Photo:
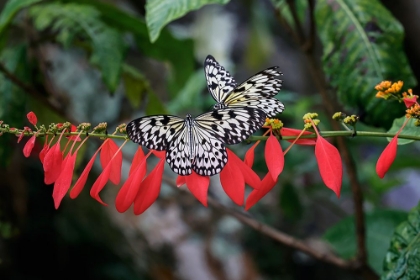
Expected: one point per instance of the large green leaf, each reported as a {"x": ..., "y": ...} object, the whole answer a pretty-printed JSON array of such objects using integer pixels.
[
  {"x": 10, "y": 10},
  {"x": 161, "y": 12},
  {"x": 379, "y": 227},
  {"x": 75, "y": 20},
  {"x": 409, "y": 129},
  {"x": 179, "y": 53},
  {"x": 402, "y": 261},
  {"x": 362, "y": 45}
]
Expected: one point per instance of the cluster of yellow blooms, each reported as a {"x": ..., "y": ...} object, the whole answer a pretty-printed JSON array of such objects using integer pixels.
[
  {"x": 274, "y": 123},
  {"x": 386, "y": 89}
]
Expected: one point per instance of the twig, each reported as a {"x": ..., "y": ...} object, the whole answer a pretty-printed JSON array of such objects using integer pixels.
[{"x": 277, "y": 235}]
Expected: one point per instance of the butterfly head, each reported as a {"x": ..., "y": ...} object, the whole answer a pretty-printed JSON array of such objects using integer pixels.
[{"x": 219, "y": 106}]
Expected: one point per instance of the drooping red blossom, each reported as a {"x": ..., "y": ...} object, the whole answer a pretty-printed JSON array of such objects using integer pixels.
[
  {"x": 232, "y": 180},
  {"x": 45, "y": 149},
  {"x": 274, "y": 156},
  {"x": 77, "y": 138},
  {"x": 63, "y": 182},
  {"x": 296, "y": 132},
  {"x": 329, "y": 164},
  {"x": 251, "y": 178},
  {"x": 32, "y": 118},
  {"x": 22, "y": 134},
  {"x": 267, "y": 184},
  {"x": 149, "y": 189},
  {"x": 100, "y": 184},
  {"x": 80, "y": 183},
  {"x": 198, "y": 186},
  {"x": 387, "y": 157},
  {"x": 128, "y": 192},
  {"x": 27, "y": 149},
  {"x": 410, "y": 101},
  {"x": 52, "y": 163},
  {"x": 249, "y": 155},
  {"x": 111, "y": 153},
  {"x": 180, "y": 180}
]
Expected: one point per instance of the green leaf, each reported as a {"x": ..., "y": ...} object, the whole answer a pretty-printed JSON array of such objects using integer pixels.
[
  {"x": 180, "y": 53},
  {"x": 363, "y": 45},
  {"x": 80, "y": 21},
  {"x": 379, "y": 227},
  {"x": 402, "y": 261},
  {"x": 161, "y": 12},
  {"x": 409, "y": 129},
  {"x": 10, "y": 10}
]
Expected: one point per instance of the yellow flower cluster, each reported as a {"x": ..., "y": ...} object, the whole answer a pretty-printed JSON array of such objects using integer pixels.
[
  {"x": 387, "y": 89},
  {"x": 274, "y": 123},
  {"x": 413, "y": 111},
  {"x": 351, "y": 120},
  {"x": 307, "y": 120}
]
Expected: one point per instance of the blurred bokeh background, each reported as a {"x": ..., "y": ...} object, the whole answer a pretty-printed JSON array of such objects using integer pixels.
[{"x": 93, "y": 61}]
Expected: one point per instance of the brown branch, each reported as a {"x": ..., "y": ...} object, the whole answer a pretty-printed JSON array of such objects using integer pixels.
[
  {"x": 277, "y": 235},
  {"x": 310, "y": 41}
]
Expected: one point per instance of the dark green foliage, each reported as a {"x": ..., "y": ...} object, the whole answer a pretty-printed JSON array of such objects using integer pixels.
[
  {"x": 402, "y": 261},
  {"x": 362, "y": 45}
]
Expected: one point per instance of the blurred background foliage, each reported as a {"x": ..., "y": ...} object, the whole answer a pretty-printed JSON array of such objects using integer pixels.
[{"x": 115, "y": 60}]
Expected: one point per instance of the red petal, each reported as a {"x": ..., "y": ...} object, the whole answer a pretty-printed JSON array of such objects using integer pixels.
[
  {"x": 249, "y": 156},
  {"x": 159, "y": 154},
  {"x": 100, "y": 184},
  {"x": 329, "y": 163},
  {"x": 180, "y": 180},
  {"x": 27, "y": 149},
  {"x": 73, "y": 128},
  {"x": 128, "y": 192},
  {"x": 296, "y": 132},
  {"x": 274, "y": 156},
  {"x": 80, "y": 183},
  {"x": 251, "y": 178},
  {"x": 137, "y": 159},
  {"x": 62, "y": 185},
  {"x": 198, "y": 186},
  {"x": 266, "y": 185},
  {"x": 109, "y": 149},
  {"x": 232, "y": 181},
  {"x": 387, "y": 157},
  {"x": 149, "y": 189},
  {"x": 52, "y": 164},
  {"x": 44, "y": 150},
  {"x": 32, "y": 118},
  {"x": 410, "y": 101}
]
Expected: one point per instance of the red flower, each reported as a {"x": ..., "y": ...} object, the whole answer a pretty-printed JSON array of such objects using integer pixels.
[
  {"x": 128, "y": 192},
  {"x": 32, "y": 118},
  {"x": 267, "y": 184},
  {"x": 25, "y": 128},
  {"x": 388, "y": 155},
  {"x": 110, "y": 153},
  {"x": 410, "y": 101},
  {"x": 52, "y": 163},
  {"x": 274, "y": 156},
  {"x": 297, "y": 132},
  {"x": 27, "y": 149},
  {"x": 149, "y": 189},
  {"x": 198, "y": 186}
]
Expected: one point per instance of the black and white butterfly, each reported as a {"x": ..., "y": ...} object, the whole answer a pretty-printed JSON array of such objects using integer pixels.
[
  {"x": 256, "y": 92},
  {"x": 196, "y": 143}
]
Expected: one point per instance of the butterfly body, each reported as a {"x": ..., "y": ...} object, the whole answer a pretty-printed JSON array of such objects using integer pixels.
[
  {"x": 256, "y": 92},
  {"x": 196, "y": 143}
]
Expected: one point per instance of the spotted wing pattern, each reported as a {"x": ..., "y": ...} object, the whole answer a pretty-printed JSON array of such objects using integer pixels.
[
  {"x": 155, "y": 132},
  {"x": 219, "y": 82},
  {"x": 196, "y": 144},
  {"x": 257, "y": 92}
]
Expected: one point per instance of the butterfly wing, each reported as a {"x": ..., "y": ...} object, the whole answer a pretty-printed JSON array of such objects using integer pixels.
[
  {"x": 231, "y": 125},
  {"x": 155, "y": 132},
  {"x": 219, "y": 81},
  {"x": 258, "y": 92},
  {"x": 178, "y": 154},
  {"x": 210, "y": 155}
]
